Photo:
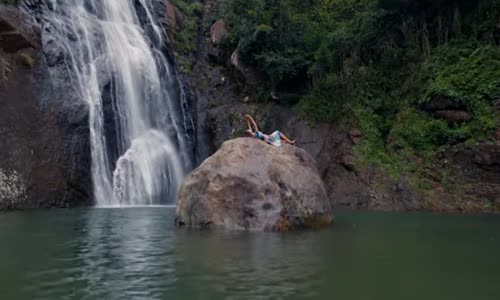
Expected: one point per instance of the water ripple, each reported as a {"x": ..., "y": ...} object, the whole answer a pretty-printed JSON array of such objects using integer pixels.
[
  {"x": 138, "y": 254},
  {"x": 114, "y": 253}
]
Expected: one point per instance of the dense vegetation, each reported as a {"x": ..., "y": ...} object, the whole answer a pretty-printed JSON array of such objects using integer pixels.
[
  {"x": 375, "y": 63},
  {"x": 184, "y": 40},
  {"x": 8, "y": 1}
]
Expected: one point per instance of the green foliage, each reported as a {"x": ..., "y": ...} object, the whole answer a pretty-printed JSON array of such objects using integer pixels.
[
  {"x": 279, "y": 66},
  {"x": 262, "y": 92},
  {"x": 466, "y": 71},
  {"x": 9, "y": 2},
  {"x": 325, "y": 100},
  {"x": 185, "y": 65},
  {"x": 184, "y": 40},
  {"x": 186, "y": 33},
  {"x": 470, "y": 73},
  {"x": 212, "y": 104},
  {"x": 374, "y": 62},
  {"x": 184, "y": 36},
  {"x": 372, "y": 148},
  {"x": 282, "y": 38},
  {"x": 421, "y": 132},
  {"x": 188, "y": 7},
  {"x": 26, "y": 60}
]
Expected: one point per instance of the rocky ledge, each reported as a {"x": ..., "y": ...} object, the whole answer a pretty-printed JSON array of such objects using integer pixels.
[{"x": 250, "y": 185}]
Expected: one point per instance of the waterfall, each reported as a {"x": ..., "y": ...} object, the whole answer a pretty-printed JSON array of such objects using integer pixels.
[{"x": 114, "y": 51}]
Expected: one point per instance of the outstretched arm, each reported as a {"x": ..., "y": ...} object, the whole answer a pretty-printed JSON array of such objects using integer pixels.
[{"x": 249, "y": 119}]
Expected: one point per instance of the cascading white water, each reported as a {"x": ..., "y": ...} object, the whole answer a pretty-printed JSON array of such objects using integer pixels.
[{"x": 113, "y": 45}]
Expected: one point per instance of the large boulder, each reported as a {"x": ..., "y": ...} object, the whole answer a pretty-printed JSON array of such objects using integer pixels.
[{"x": 251, "y": 185}]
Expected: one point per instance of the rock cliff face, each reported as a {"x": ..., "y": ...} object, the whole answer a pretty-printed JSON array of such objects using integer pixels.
[
  {"x": 248, "y": 184},
  {"x": 45, "y": 154},
  {"x": 45, "y": 158},
  {"x": 463, "y": 178},
  {"x": 45, "y": 151}
]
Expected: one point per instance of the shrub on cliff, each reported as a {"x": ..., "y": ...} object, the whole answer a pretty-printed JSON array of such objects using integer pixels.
[
  {"x": 8, "y": 2},
  {"x": 392, "y": 38},
  {"x": 374, "y": 63}
]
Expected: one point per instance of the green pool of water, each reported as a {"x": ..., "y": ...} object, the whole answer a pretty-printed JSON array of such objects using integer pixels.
[{"x": 138, "y": 254}]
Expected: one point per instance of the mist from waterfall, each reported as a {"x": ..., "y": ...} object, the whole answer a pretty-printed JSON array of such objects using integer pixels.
[{"x": 137, "y": 118}]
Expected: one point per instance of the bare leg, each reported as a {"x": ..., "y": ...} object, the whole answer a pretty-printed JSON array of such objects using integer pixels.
[
  {"x": 248, "y": 124},
  {"x": 248, "y": 118},
  {"x": 286, "y": 139}
]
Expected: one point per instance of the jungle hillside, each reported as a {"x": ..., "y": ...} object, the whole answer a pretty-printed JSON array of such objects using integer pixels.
[{"x": 416, "y": 78}]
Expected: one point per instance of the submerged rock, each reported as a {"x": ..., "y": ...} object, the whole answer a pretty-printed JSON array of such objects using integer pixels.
[{"x": 251, "y": 185}]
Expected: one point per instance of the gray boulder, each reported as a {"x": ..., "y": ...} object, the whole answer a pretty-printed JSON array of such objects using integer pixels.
[{"x": 251, "y": 185}]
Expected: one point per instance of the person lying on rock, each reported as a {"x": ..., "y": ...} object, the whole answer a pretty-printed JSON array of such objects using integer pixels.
[{"x": 274, "y": 138}]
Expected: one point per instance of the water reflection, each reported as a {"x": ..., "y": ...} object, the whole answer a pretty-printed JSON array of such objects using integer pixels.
[
  {"x": 110, "y": 254},
  {"x": 138, "y": 254},
  {"x": 239, "y": 265},
  {"x": 126, "y": 254}
]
